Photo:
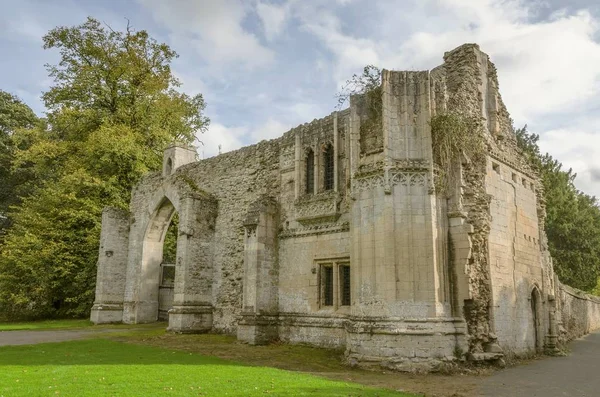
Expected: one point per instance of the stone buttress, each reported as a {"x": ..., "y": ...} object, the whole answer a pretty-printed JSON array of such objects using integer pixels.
[{"x": 401, "y": 312}]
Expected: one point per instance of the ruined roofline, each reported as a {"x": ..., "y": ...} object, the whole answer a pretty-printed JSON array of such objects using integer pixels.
[{"x": 436, "y": 72}]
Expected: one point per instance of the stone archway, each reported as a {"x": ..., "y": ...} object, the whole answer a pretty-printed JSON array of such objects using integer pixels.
[{"x": 192, "y": 290}]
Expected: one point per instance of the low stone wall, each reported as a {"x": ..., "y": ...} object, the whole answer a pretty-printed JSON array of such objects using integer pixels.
[{"x": 579, "y": 313}]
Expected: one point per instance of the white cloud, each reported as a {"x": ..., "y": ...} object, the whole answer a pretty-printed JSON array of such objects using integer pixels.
[
  {"x": 350, "y": 53},
  {"x": 273, "y": 18},
  {"x": 228, "y": 138},
  {"x": 213, "y": 28},
  {"x": 552, "y": 66},
  {"x": 576, "y": 149},
  {"x": 234, "y": 137}
]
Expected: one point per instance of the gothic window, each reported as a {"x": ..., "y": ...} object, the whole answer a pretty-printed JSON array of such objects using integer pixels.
[
  {"x": 169, "y": 166},
  {"x": 328, "y": 162},
  {"x": 334, "y": 284},
  {"x": 310, "y": 172}
]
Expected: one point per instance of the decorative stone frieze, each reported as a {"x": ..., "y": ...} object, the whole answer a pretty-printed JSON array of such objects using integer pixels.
[{"x": 318, "y": 208}]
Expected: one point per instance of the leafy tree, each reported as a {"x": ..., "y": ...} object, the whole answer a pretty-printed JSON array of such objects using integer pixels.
[
  {"x": 572, "y": 218},
  {"x": 112, "y": 109},
  {"x": 14, "y": 114}
]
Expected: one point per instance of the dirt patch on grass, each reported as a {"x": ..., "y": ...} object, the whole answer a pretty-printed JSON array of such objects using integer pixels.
[{"x": 321, "y": 362}]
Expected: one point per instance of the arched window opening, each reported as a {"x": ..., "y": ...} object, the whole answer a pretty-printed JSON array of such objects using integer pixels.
[
  {"x": 310, "y": 172},
  {"x": 169, "y": 166},
  {"x": 328, "y": 162}
]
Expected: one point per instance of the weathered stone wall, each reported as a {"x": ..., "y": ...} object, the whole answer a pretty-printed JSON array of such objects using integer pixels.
[
  {"x": 112, "y": 267},
  {"x": 515, "y": 257},
  {"x": 315, "y": 231},
  {"x": 578, "y": 312},
  {"x": 235, "y": 179}
]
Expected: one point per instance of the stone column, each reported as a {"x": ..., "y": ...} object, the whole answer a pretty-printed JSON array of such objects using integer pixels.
[
  {"x": 336, "y": 152},
  {"x": 112, "y": 267},
  {"x": 192, "y": 303},
  {"x": 258, "y": 324}
]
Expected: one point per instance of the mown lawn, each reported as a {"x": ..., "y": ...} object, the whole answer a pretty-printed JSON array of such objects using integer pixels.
[
  {"x": 101, "y": 367},
  {"x": 46, "y": 324}
]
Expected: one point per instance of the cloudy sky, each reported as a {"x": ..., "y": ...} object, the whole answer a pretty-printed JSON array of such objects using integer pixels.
[{"x": 265, "y": 66}]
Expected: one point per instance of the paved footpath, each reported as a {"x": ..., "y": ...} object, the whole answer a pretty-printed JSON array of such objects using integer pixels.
[
  {"x": 576, "y": 375},
  {"x": 10, "y": 338}
]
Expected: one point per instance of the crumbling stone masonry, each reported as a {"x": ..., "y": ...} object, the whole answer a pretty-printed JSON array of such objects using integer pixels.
[{"x": 335, "y": 235}]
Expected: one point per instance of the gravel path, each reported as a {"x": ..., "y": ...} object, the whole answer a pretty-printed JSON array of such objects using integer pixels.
[{"x": 576, "y": 375}]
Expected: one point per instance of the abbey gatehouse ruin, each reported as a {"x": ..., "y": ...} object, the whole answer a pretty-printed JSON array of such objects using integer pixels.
[{"x": 347, "y": 232}]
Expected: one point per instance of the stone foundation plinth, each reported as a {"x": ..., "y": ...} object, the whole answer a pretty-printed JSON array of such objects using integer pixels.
[
  {"x": 257, "y": 329},
  {"x": 404, "y": 345},
  {"x": 140, "y": 312},
  {"x": 190, "y": 319},
  {"x": 318, "y": 330},
  {"x": 106, "y": 313}
]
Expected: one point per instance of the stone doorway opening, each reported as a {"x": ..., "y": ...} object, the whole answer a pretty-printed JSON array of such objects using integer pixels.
[
  {"x": 536, "y": 313},
  {"x": 166, "y": 286}
]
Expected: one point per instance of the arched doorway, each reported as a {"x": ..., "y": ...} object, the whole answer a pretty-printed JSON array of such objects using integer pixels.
[
  {"x": 157, "y": 275},
  {"x": 190, "y": 276},
  {"x": 536, "y": 313}
]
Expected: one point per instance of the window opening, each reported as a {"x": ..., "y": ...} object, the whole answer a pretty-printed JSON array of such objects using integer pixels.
[
  {"x": 327, "y": 285},
  {"x": 329, "y": 168},
  {"x": 344, "y": 285},
  {"x": 310, "y": 172},
  {"x": 167, "y": 278}
]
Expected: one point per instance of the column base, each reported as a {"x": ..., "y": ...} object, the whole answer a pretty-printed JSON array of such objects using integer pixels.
[
  {"x": 257, "y": 329},
  {"x": 140, "y": 312},
  {"x": 551, "y": 346},
  {"x": 106, "y": 313},
  {"x": 190, "y": 319}
]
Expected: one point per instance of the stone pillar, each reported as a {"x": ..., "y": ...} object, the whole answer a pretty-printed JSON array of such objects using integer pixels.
[
  {"x": 336, "y": 152},
  {"x": 192, "y": 302},
  {"x": 354, "y": 134},
  {"x": 298, "y": 164},
  {"x": 112, "y": 267},
  {"x": 258, "y": 324}
]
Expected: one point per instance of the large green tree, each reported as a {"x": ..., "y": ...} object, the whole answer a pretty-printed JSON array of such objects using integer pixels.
[
  {"x": 112, "y": 109},
  {"x": 14, "y": 115},
  {"x": 572, "y": 218}
]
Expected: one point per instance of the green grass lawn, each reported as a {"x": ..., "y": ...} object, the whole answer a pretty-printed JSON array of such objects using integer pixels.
[
  {"x": 101, "y": 367},
  {"x": 45, "y": 324}
]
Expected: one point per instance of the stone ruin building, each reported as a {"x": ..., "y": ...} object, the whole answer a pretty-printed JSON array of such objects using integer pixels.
[{"x": 335, "y": 235}]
